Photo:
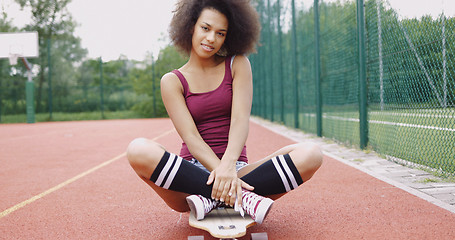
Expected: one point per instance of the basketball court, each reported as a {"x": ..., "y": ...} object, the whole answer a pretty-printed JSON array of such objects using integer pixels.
[{"x": 71, "y": 180}]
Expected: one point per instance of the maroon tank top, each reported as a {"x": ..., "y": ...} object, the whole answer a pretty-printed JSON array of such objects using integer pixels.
[{"x": 211, "y": 111}]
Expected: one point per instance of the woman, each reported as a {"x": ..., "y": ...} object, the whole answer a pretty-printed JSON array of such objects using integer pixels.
[{"x": 209, "y": 102}]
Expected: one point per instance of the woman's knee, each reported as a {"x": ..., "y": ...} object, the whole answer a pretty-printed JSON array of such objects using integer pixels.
[
  {"x": 315, "y": 156},
  {"x": 307, "y": 156},
  {"x": 142, "y": 152}
]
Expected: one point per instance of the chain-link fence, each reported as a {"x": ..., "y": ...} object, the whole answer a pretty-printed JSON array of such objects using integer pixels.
[{"x": 363, "y": 73}]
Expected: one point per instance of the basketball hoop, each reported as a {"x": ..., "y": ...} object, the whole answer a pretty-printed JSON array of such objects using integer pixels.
[
  {"x": 22, "y": 45},
  {"x": 13, "y": 59}
]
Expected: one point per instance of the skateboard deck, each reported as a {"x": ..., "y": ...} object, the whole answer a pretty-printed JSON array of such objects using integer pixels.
[{"x": 223, "y": 223}]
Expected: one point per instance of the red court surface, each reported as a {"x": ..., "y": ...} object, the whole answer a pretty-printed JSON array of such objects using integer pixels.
[{"x": 71, "y": 180}]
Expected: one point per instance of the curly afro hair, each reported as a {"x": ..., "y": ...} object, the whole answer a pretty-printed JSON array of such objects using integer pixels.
[{"x": 244, "y": 25}]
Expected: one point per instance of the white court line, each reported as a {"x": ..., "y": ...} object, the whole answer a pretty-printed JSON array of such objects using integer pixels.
[
  {"x": 412, "y": 125},
  {"x": 71, "y": 180},
  {"x": 412, "y": 115},
  {"x": 391, "y": 123}
]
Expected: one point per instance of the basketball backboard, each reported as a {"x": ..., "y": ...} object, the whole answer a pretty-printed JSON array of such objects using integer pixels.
[{"x": 18, "y": 44}]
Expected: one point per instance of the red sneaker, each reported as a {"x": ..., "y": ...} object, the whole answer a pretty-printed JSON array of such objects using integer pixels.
[
  {"x": 256, "y": 206},
  {"x": 201, "y": 206}
]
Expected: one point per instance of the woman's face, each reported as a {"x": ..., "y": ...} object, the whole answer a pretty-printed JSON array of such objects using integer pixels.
[{"x": 209, "y": 33}]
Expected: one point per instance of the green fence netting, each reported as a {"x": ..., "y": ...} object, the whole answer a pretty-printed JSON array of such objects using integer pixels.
[{"x": 322, "y": 69}]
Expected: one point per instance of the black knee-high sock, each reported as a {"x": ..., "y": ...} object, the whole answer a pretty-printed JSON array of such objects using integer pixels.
[
  {"x": 175, "y": 173},
  {"x": 275, "y": 176}
]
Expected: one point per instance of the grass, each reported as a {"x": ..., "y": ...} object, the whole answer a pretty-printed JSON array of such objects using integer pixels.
[
  {"x": 422, "y": 136},
  {"x": 428, "y": 180},
  {"x": 58, "y": 116},
  {"x": 440, "y": 179}
]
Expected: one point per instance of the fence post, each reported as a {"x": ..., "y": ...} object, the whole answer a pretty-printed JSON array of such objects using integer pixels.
[
  {"x": 29, "y": 99},
  {"x": 363, "y": 112},
  {"x": 153, "y": 86},
  {"x": 294, "y": 67},
  {"x": 317, "y": 65},
  {"x": 444, "y": 60},
  {"x": 49, "y": 72},
  {"x": 101, "y": 88},
  {"x": 381, "y": 63},
  {"x": 262, "y": 61},
  {"x": 280, "y": 67},
  {"x": 270, "y": 62}
]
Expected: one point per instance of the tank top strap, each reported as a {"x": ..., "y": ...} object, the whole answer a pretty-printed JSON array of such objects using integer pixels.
[
  {"x": 182, "y": 80},
  {"x": 228, "y": 66}
]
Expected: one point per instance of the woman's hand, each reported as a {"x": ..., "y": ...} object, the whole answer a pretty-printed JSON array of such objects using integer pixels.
[{"x": 226, "y": 184}]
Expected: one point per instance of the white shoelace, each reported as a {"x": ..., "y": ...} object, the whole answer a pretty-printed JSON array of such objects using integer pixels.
[
  {"x": 208, "y": 204},
  {"x": 250, "y": 201}
]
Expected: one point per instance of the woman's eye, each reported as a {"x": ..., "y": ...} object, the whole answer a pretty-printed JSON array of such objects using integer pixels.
[
  {"x": 221, "y": 34},
  {"x": 205, "y": 28}
]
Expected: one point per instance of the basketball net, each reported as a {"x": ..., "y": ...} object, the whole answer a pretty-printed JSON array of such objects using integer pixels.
[{"x": 13, "y": 59}]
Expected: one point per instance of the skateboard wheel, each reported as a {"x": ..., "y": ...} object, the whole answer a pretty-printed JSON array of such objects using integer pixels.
[
  {"x": 196, "y": 238},
  {"x": 259, "y": 236}
]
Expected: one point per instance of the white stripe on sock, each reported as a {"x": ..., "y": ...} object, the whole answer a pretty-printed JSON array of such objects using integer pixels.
[
  {"x": 288, "y": 172},
  {"x": 173, "y": 172},
  {"x": 163, "y": 172},
  {"x": 280, "y": 172}
]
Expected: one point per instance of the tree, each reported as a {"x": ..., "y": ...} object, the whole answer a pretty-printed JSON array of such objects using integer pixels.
[
  {"x": 55, "y": 25},
  {"x": 147, "y": 81}
]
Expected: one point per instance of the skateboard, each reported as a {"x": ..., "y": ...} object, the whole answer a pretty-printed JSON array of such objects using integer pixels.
[{"x": 225, "y": 223}]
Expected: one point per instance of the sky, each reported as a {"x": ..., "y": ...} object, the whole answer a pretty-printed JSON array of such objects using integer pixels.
[{"x": 110, "y": 28}]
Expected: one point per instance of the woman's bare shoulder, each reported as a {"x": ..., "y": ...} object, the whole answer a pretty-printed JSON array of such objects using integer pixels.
[
  {"x": 241, "y": 64},
  {"x": 170, "y": 81}
]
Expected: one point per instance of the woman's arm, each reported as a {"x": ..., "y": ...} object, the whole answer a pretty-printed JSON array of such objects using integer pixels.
[
  {"x": 174, "y": 101},
  {"x": 242, "y": 88},
  {"x": 225, "y": 176}
]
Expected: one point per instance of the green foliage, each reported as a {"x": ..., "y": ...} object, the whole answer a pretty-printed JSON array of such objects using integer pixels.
[
  {"x": 115, "y": 73},
  {"x": 6, "y": 24},
  {"x": 145, "y": 108},
  {"x": 147, "y": 81}
]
